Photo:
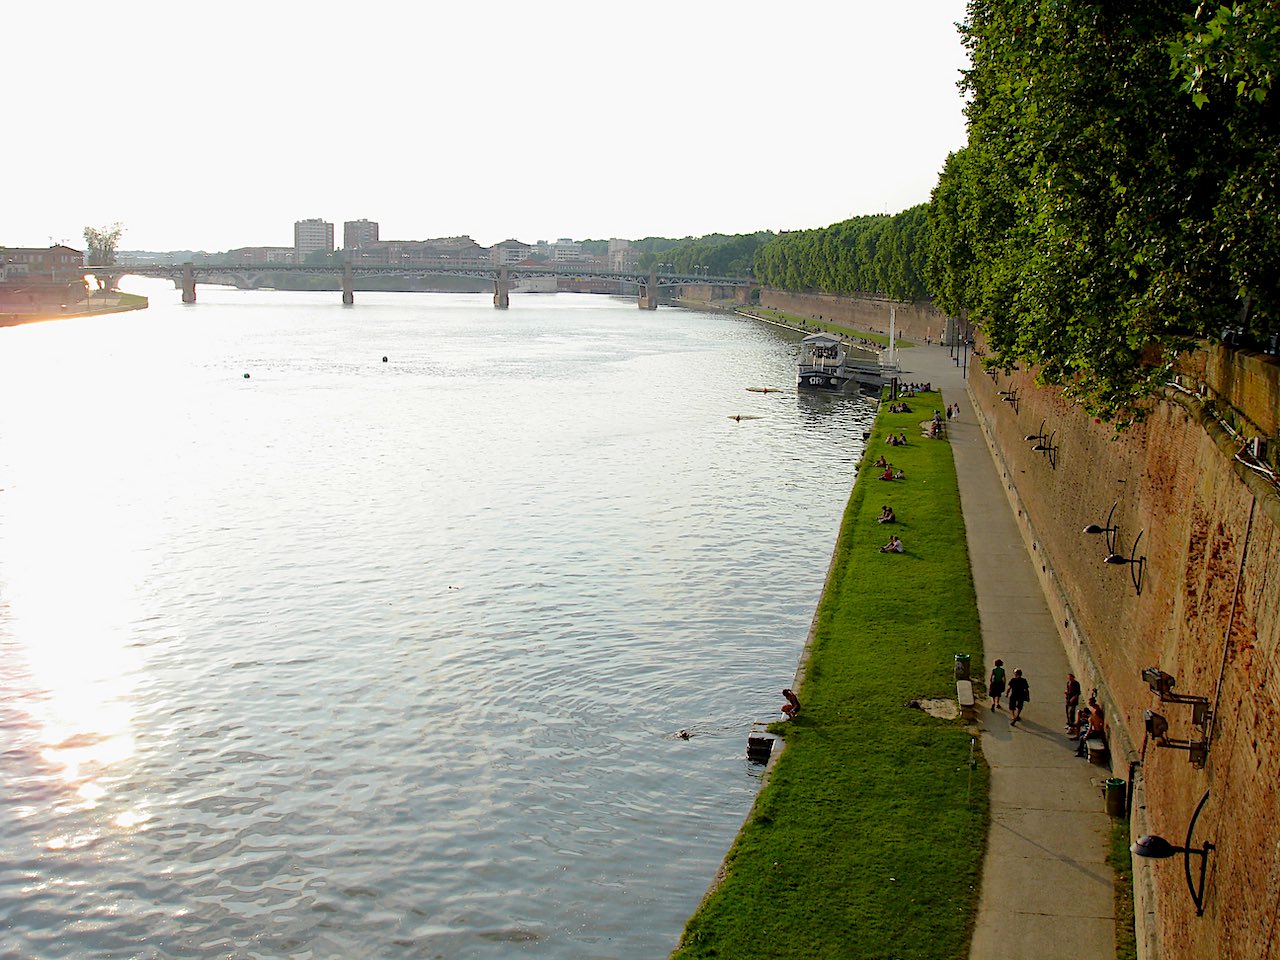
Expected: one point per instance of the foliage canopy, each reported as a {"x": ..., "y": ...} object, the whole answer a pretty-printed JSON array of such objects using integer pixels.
[
  {"x": 102, "y": 244},
  {"x": 1117, "y": 199},
  {"x": 878, "y": 255}
]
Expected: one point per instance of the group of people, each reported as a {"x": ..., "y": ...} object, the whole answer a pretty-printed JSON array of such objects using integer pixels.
[
  {"x": 887, "y": 515},
  {"x": 911, "y": 389},
  {"x": 1083, "y": 723},
  {"x": 899, "y": 408},
  {"x": 893, "y": 546},
  {"x": 1017, "y": 687},
  {"x": 899, "y": 441}
]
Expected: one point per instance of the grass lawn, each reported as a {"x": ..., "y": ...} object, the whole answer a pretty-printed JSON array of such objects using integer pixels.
[
  {"x": 1121, "y": 862},
  {"x": 868, "y": 838}
]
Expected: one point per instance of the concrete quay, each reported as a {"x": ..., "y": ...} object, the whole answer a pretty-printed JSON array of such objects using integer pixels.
[{"x": 1047, "y": 891}]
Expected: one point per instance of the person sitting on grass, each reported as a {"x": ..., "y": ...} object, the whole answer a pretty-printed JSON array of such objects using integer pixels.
[
  {"x": 899, "y": 475},
  {"x": 882, "y": 462},
  {"x": 893, "y": 546},
  {"x": 888, "y": 472},
  {"x": 887, "y": 515}
]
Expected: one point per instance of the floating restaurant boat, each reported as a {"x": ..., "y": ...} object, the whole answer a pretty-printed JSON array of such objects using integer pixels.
[{"x": 826, "y": 364}]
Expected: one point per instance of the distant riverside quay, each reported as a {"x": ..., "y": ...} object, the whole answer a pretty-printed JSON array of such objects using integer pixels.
[{"x": 649, "y": 284}]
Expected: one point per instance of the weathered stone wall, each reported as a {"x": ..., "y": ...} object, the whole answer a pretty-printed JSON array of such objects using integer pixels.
[
  {"x": 916, "y": 321},
  {"x": 1208, "y": 613}
]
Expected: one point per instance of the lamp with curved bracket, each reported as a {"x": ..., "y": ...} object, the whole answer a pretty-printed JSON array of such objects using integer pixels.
[
  {"x": 1158, "y": 848},
  {"x": 1049, "y": 448},
  {"x": 1109, "y": 530},
  {"x": 1010, "y": 396},
  {"x": 1037, "y": 437},
  {"x": 1136, "y": 563}
]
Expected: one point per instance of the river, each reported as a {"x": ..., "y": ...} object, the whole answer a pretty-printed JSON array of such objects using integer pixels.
[{"x": 307, "y": 652}]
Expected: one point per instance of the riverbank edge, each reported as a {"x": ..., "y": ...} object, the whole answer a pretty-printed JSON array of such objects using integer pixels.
[
  {"x": 131, "y": 302},
  {"x": 843, "y": 567}
]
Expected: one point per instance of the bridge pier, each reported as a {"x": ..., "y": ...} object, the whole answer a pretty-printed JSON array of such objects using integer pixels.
[
  {"x": 502, "y": 290},
  {"x": 649, "y": 292},
  {"x": 188, "y": 284},
  {"x": 348, "y": 285}
]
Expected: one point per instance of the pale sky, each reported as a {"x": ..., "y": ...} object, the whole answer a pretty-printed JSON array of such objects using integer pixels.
[{"x": 217, "y": 125}]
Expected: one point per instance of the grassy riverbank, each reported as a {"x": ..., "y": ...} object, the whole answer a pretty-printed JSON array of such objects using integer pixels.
[{"x": 867, "y": 839}]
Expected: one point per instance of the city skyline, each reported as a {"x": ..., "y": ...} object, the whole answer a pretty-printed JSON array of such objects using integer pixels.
[{"x": 512, "y": 124}]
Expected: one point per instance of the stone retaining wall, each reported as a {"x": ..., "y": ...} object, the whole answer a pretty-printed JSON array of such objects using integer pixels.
[
  {"x": 914, "y": 320},
  {"x": 1208, "y": 613}
]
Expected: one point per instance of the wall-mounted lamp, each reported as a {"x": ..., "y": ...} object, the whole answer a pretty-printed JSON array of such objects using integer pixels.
[
  {"x": 1010, "y": 396},
  {"x": 1109, "y": 530},
  {"x": 1158, "y": 733},
  {"x": 1137, "y": 564},
  {"x": 991, "y": 372},
  {"x": 1036, "y": 437},
  {"x": 1162, "y": 685},
  {"x": 1157, "y": 725},
  {"x": 1158, "y": 848},
  {"x": 1049, "y": 449}
]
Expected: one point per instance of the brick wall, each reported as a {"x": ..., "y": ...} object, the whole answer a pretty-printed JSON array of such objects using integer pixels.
[
  {"x": 915, "y": 321},
  {"x": 1209, "y": 614}
]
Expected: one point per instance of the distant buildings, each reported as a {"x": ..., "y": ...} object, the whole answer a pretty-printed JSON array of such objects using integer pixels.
[
  {"x": 311, "y": 236},
  {"x": 509, "y": 251},
  {"x": 18, "y": 262},
  {"x": 39, "y": 280},
  {"x": 363, "y": 246},
  {"x": 562, "y": 251},
  {"x": 257, "y": 256},
  {"x": 623, "y": 256},
  {"x": 451, "y": 251},
  {"x": 359, "y": 234}
]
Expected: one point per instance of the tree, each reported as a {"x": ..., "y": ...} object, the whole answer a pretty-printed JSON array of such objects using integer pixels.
[
  {"x": 1098, "y": 222},
  {"x": 874, "y": 254},
  {"x": 102, "y": 244}
]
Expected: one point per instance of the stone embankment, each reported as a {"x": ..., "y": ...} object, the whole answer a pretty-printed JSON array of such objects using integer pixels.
[
  {"x": 1191, "y": 501},
  {"x": 97, "y": 305}
]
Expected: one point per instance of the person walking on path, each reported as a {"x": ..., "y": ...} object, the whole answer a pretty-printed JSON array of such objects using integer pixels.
[
  {"x": 995, "y": 686},
  {"x": 1072, "y": 697},
  {"x": 1019, "y": 694}
]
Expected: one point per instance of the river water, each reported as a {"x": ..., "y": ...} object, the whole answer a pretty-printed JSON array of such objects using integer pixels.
[{"x": 355, "y": 658}]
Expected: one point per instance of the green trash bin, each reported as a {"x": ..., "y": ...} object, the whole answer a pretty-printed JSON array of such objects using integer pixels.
[
  {"x": 962, "y": 666},
  {"x": 1114, "y": 793}
]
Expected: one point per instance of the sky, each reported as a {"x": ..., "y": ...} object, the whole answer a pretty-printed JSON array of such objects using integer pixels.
[{"x": 212, "y": 126}]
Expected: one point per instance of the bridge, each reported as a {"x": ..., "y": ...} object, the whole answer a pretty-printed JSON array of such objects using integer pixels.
[{"x": 186, "y": 275}]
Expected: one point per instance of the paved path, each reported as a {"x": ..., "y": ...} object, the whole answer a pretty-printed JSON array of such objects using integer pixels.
[{"x": 1046, "y": 887}]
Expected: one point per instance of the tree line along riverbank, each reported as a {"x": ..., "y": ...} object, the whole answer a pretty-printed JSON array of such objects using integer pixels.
[{"x": 867, "y": 839}]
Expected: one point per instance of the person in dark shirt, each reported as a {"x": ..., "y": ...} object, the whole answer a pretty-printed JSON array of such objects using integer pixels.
[
  {"x": 1019, "y": 695},
  {"x": 995, "y": 686},
  {"x": 1072, "y": 698}
]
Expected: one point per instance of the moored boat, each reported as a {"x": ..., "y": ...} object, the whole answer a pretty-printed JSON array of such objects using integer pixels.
[{"x": 826, "y": 364}]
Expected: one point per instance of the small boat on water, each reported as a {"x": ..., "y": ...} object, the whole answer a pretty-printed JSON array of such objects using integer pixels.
[{"x": 826, "y": 364}]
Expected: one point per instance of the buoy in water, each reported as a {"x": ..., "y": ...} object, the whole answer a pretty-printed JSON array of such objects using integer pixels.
[
  {"x": 246, "y": 376},
  {"x": 384, "y": 359}
]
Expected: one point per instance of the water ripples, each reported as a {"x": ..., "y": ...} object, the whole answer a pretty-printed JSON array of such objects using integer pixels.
[{"x": 393, "y": 659}]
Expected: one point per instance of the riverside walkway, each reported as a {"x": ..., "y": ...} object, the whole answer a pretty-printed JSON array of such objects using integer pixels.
[{"x": 1047, "y": 891}]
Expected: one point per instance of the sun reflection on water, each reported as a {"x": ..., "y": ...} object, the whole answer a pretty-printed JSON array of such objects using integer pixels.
[{"x": 71, "y": 539}]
